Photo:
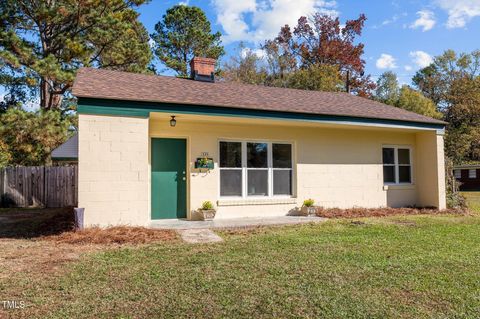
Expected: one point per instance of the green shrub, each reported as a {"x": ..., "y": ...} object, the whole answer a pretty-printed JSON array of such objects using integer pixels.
[
  {"x": 308, "y": 202},
  {"x": 454, "y": 198},
  {"x": 207, "y": 205}
]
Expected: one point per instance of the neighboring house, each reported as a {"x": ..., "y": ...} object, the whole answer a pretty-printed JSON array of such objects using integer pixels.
[
  {"x": 141, "y": 138},
  {"x": 468, "y": 176},
  {"x": 67, "y": 153}
]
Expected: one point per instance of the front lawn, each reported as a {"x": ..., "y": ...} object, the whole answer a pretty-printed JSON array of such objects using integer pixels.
[{"x": 394, "y": 267}]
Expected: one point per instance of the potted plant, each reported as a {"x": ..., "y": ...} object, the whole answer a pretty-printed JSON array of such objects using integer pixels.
[
  {"x": 207, "y": 211},
  {"x": 307, "y": 208},
  {"x": 204, "y": 162}
]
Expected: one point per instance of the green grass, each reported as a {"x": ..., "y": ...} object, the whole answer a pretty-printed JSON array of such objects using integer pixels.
[
  {"x": 398, "y": 267},
  {"x": 473, "y": 200}
]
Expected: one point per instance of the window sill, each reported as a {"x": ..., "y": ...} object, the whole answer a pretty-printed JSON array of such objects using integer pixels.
[
  {"x": 398, "y": 187},
  {"x": 261, "y": 201}
]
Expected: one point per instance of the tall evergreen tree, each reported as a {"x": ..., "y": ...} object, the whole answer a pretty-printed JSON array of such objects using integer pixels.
[
  {"x": 183, "y": 33},
  {"x": 45, "y": 42}
]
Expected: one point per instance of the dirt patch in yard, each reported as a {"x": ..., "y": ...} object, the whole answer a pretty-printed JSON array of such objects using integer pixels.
[
  {"x": 383, "y": 212},
  {"x": 37, "y": 257},
  {"x": 46, "y": 254},
  {"x": 41, "y": 240}
]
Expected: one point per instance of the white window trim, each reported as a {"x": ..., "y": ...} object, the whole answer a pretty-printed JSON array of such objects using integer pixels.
[
  {"x": 245, "y": 169},
  {"x": 457, "y": 173},
  {"x": 472, "y": 173},
  {"x": 397, "y": 165}
]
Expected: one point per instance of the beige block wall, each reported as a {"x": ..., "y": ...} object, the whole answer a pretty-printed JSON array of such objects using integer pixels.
[
  {"x": 114, "y": 170},
  {"x": 431, "y": 170},
  {"x": 336, "y": 167}
]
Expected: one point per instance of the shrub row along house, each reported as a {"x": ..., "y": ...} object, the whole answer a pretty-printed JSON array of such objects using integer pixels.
[{"x": 156, "y": 147}]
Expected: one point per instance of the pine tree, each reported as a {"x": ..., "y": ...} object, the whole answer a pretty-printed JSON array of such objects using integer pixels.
[
  {"x": 184, "y": 33},
  {"x": 43, "y": 43}
]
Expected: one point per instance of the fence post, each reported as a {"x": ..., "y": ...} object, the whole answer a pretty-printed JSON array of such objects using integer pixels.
[
  {"x": 45, "y": 196},
  {"x": 2, "y": 185}
]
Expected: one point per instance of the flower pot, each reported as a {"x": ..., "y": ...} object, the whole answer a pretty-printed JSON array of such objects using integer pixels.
[
  {"x": 308, "y": 211},
  {"x": 208, "y": 214}
]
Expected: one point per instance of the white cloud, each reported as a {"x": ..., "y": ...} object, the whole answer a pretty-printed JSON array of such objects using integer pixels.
[
  {"x": 459, "y": 11},
  {"x": 257, "y": 20},
  {"x": 421, "y": 59},
  {"x": 258, "y": 52},
  {"x": 386, "y": 61},
  {"x": 395, "y": 18},
  {"x": 426, "y": 20},
  {"x": 408, "y": 68}
]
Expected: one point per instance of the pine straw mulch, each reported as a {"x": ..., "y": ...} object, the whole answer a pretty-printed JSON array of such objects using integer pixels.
[
  {"x": 57, "y": 225},
  {"x": 383, "y": 212},
  {"x": 118, "y": 235}
]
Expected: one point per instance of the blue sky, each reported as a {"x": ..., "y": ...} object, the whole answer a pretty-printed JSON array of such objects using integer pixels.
[{"x": 399, "y": 35}]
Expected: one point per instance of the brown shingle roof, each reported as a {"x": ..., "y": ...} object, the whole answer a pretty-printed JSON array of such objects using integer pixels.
[{"x": 107, "y": 84}]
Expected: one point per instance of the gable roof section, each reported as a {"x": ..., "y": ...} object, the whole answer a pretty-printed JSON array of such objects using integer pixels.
[
  {"x": 68, "y": 150},
  {"x": 115, "y": 85}
]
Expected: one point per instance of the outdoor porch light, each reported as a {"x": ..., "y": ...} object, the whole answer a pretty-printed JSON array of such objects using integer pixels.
[{"x": 173, "y": 121}]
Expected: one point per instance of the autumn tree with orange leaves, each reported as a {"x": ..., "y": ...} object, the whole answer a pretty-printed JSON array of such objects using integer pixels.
[{"x": 322, "y": 40}]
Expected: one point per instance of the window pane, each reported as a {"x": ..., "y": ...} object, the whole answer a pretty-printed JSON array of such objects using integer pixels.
[
  {"x": 458, "y": 174},
  {"x": 472, "y": 173},
  {"x": 230, "y": 182},
  {"x": 282, "y": 182},
  {"x": 388, "y": 156},
  {"x": 403, "y": 156},
  {"x": 257, "y": 155},
  {"x": 389, "y": 174},
  {"x": 257, "y": 182},
  {"x": 282, "y": 155},
  {"x": 230, "y": 154},
  {"x": 404, "y": 174}
]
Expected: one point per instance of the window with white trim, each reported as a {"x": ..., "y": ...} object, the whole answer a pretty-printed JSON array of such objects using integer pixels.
[
  {"x": 458, "y": 173},
  {"x": 255, "y": 169},
  {"x": 397, "y": 165},
  {"x": 472, "y": 173}
]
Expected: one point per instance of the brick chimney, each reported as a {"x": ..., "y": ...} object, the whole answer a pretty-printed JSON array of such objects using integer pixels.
[{"x": 203, "y": 69}]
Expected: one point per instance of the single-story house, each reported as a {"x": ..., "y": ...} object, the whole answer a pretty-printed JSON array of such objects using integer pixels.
[
  {"x": 67, "y": 153},
  {"x": 468, "y": 176},
  {"x": 156, "y": 147}
]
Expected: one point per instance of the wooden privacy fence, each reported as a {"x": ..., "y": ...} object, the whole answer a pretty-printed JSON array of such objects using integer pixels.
[{"x": 39, "y": 186}]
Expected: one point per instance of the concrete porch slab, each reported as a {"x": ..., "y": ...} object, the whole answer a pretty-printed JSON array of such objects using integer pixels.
[
  {"x": 199, "y": 236},
  {"x": 234, "y": 222}
]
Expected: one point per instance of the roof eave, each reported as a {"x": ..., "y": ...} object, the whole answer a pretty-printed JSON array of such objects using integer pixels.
[{"x": 137, "y": 108}]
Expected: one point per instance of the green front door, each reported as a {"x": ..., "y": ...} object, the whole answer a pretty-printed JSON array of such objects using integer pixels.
[{"x": 169, "y": 185}]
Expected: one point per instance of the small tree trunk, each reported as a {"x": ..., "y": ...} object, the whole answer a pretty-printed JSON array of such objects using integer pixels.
[
  {"x": 49, "y": 100},
  {"x": 44, "y": 94}
]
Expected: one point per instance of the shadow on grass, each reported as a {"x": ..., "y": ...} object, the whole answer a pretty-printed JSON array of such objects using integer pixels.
[{"x": 35, "y": 222}]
